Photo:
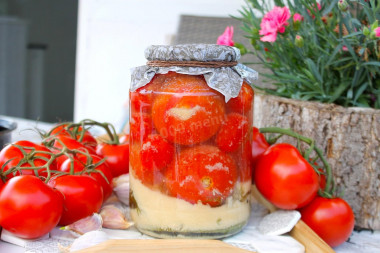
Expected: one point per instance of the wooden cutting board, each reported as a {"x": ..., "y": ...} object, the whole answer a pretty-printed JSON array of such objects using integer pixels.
[
  {"x": 164, "y": 246},
  {"x": 301, "y": 232}
]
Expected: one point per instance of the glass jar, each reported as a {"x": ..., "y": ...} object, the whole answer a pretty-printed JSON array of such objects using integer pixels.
[{"x": 190, "y": 172}]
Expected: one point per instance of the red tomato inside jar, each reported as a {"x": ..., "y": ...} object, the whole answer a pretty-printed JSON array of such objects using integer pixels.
[{"x": 190, "y": 171}]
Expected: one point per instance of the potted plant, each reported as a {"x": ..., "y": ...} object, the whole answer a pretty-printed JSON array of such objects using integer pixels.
[{"x": 324, "y": 58}]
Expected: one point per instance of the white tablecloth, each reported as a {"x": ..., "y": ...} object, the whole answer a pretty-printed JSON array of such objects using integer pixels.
[{"x": 364, "y": 241}]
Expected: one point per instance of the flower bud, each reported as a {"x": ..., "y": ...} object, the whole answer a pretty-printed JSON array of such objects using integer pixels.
[
  {"x": 343, "y": 5},
  {"x": 366, "y": 31},
  {"x": 299, "y": 42},
  {"x": 297, "y": 19}
]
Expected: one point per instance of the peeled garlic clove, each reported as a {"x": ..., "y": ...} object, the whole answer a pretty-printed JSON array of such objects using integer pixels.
[
  {"x": 89, "y": 239},
  {"x": 90, "y": 223},
  {"x": 112, "y": 199},
  {"x": 121, "y": 188},
  {"x": 114, "y": 217},
  {"x": 120, "y": 180}
]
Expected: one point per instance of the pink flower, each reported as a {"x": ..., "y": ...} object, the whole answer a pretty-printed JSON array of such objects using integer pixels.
[
  {"x": 297, "y": 17},
  {"x": 226, "y": 37},
  {"x": 345, "y": 48},
  {"x": 377, "y": 32},
  {"x": 273, "y": 22}
]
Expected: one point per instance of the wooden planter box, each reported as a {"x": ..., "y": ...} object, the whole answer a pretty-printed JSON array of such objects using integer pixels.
[{"x": 350, "y": 138}]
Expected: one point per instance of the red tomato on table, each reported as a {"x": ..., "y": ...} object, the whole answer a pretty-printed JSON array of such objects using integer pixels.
[
  {"x": 332, "y": 219},
  {"x": 116, "y": 155},
  {"x": 285, "y": 178},
  {"x": 28, "y": 207},
  {"x": 259, "y": 145},
  {"x": 202, "y": 173},
  {"x": 81, "y": 162},
  {"x": 82, "y": 194}
]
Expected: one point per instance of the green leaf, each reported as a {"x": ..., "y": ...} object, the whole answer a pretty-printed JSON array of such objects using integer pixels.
[
  {"x": 314, "y": 70},
  {"x": 342, "y": 61},
  {"x": 374, "y": 25},
  {"x": 332, "y": 57},
  {"x": 339, "y": 91},
  {"x": 360, "y": 91},
  {"x": 351, "y": 50},
  {"x": 373, "y": 63},
  {"x": 355, "y": 34}
]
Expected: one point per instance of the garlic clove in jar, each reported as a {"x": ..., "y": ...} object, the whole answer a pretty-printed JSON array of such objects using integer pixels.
[
  {"x": 90, "y": 223},
  {"x": 114, "y": 216}
]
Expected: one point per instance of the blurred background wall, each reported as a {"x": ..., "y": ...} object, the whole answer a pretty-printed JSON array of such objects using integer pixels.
[
  {"x": 71, "y": 59},
  {"x": 112, "y": 37},
  {"x": 37, "y": 55}
]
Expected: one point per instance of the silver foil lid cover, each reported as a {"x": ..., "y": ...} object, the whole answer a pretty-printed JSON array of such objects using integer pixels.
[{"x": 226, "y": 80}]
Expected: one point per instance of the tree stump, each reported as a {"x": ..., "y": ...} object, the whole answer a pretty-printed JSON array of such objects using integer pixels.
[{"x": 350, "y": 139}]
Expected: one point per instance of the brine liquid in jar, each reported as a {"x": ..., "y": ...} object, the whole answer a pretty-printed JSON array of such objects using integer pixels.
[{"x": 190, "y": 172}]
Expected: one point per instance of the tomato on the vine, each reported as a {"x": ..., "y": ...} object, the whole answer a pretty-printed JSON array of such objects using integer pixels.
[
  {"x": 29, "y": 207},
  {"x": 332, "y": 219},
  {"x": 202, "y": 173},
  {"x": 81, "y": 162},
  {"x": 81, "y": 135},
  {"x": 14, "y": 153},
  {"x": 285, "y": 178},
  {"x": 116, "y": 155},
  {"x": 83, "y": 196},
  {"x": 61, "y": 141}
]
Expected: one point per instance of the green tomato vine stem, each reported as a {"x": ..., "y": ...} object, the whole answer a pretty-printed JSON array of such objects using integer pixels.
[
  {"x": 109, "y": 128},
  {"x": 329, "y": 188}
]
